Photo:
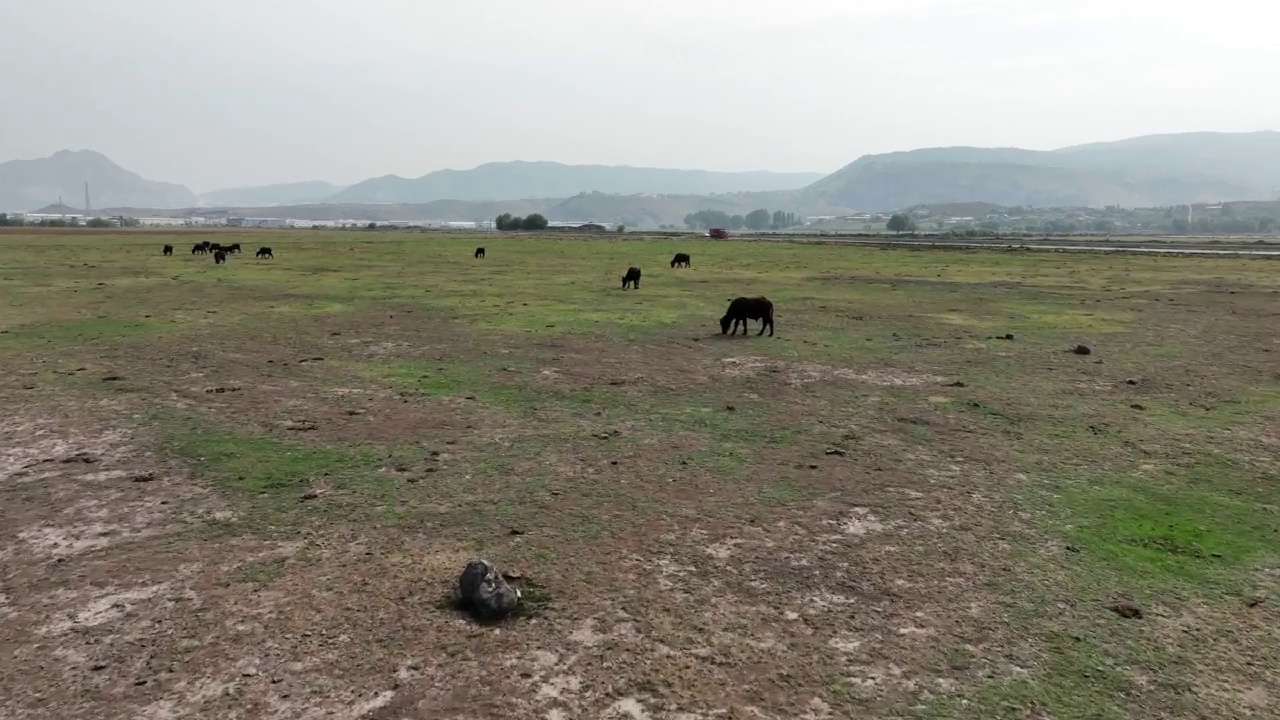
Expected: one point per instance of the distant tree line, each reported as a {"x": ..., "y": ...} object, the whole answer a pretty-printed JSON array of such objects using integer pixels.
[
  {"x": 760, "y": 219},
  {"x": 509, "y": 222},
  {"x": 1223, "y": 225}
]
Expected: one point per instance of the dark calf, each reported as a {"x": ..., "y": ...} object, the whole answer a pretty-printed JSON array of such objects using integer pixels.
[
  {"x": 743, "y": 309},
  {"x": 264, "y": 252},
  {"x": 680, "y": 260},
  {"x": 479, "y": 253},
  {"x": 219, "y": 257},
  {"x": 168, "y": 250},
  {"x": 199, "y": 249},
  {"x": 214, "y": 247},
  {"x": 632, "y": 278},
  {"x": 232, "y": 248}
]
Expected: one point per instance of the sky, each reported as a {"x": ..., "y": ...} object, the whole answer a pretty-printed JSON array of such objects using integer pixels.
[{"x": 225, "y": 93}]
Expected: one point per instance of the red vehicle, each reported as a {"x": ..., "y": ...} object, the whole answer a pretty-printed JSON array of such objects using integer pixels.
[{"x": 718, "y": 233}]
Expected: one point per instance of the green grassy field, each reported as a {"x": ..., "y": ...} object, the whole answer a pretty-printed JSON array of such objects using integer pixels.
[{"x": 913, "y": 501}]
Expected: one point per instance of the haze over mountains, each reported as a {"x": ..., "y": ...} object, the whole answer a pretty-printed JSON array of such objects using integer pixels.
[
  {"x": 312, "y": 191},
  {"x": 29, "y": 184},
  {"x": 1156, "y": 170},
  {"x": 519, "y": 179},
  {"x": 1148, "y": 171}
]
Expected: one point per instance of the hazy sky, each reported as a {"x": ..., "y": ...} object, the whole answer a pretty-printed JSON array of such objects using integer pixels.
[{"x": 215, "y": 93}]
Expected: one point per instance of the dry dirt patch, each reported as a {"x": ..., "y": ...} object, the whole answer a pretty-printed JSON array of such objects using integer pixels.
[{"x": 797, "y": 374}]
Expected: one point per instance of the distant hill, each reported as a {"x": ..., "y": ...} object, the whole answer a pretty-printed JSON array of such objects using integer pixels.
[
  {"x": 267, "y": 195},
  {"x": 507, "y": 180},
  {"x": 1246, "y": 158},
  {"x": 29, "y": 184},
  {"x": 437, "y": 210},
  {"x": 894, "y": 185},
  {"x": 650, "y": 211},
  {"x": 1154, "y": 170}
]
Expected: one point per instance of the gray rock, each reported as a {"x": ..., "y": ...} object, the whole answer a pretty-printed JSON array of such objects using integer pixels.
[{"x": 484, "y": 592}]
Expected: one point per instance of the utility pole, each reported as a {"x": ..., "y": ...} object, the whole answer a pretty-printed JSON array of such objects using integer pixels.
[{"x": 87, "y": 206}]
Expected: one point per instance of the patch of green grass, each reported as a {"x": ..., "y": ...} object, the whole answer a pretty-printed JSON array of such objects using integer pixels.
[
  {"x": 445, "y": 379},
  {"x": 82, "y": 331},
  {"x": 986, "y": 410},
  {"x": 270, "y": 476},
  {"x": 434, "y": 380},
  {"x": 1166, "y": 536},
  {"x": 1260, "y": 403},
  {"x": 785, "y": 492},
  {"x": 960, "y": 658},
  {"x": 721, "y": 458},
  {"x": 534, "y": 597},
  {"x": 262, "y": 573}
]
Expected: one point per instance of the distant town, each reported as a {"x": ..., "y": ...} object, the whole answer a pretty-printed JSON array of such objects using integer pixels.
[{"x": 83, "y": 219}]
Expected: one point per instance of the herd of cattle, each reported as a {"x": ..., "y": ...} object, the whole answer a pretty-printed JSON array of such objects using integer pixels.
[
  {"x": 741, "y": 310},
  {"x": 220, "y": 252}
]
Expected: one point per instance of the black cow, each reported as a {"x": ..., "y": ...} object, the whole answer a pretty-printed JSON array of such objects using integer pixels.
[
  {"x": 479, "y": 253},
  {"x": 199, "y": 249},
  {"x": 232, "y": 248},
  {"x": 168, "y": 250},
  {"x": 631, "y": 278},
  {"x": 264, "y": 252},
  {"x": 744, "y": 309},
  {"x": 680, "y": 260},
  {"x": 219, "y": 257},
  {"x": 214, "y": 247},
  {"x": 206, "y": 245}
]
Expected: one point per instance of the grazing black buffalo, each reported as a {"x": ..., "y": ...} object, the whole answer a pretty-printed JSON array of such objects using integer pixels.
[
  {"x": 206, "y": 245},
  {"x": 479, "y": 253},
  {"x": 232, "y": 248},
  {"x": 219, "y": 257},
  {"x": 743, "y": 309},
  {"x": 632, "y": 278},
  {"x": 264, "y": 252},
  {"x": 680, "y": 260},
  {"x": 214, "y": 247},
  {"x": 168, "y": 250},
  {"x": 199, "y": 249}
]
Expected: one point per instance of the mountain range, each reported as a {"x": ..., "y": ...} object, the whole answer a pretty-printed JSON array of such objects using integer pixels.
[
  {"x": 1149, "y": 171},
  {"x": 29, "y": 184},
  {"x": 519, "y": 179}
]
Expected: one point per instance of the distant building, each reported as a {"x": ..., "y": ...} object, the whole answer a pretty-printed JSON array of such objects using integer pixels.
[
  {"x": 588, "y": 227},
  {"x": 256, "y": 222},
  {"x": 37, "y": 217}
]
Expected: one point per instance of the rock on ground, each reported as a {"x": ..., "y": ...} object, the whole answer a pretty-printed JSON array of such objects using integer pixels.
[{"x": 484, "y": 592}]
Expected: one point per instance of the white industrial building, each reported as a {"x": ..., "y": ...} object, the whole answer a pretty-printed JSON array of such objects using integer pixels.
[{"x": 257, "y": 222}]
